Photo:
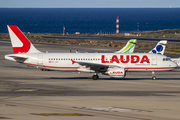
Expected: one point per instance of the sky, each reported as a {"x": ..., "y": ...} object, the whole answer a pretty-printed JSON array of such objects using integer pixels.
[{"x": 89, "y": 3}]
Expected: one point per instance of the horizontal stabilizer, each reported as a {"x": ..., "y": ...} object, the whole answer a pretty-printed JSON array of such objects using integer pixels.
[{"x": 16, "y": 58}]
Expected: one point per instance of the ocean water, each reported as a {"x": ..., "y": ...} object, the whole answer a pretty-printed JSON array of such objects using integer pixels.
[{"x": 89, "y": 20}]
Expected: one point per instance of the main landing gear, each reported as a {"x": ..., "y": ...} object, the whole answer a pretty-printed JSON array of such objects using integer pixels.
[
  {"x": 95, "y": 77},
  {"x": 42, "y": 69},
  {"x": 153, "y": 75}
]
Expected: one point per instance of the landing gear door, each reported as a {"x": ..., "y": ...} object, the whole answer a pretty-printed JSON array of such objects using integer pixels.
[
  {"x": 154, "y": 59},
  {"x": 40, "y": 59}
]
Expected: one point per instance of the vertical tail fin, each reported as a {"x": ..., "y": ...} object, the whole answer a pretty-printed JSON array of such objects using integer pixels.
[
  {"x": 19, "y": 41},
  {"x": 129, "y": 48},
  {"x": 160, "y": 47}
]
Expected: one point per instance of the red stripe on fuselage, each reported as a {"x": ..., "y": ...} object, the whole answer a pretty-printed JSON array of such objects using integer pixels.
[
  {"x": 26, "y": 44},
  {"x": 87, "y": 67}
]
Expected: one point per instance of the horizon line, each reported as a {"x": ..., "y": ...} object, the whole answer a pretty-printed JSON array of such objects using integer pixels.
[{"x": 90, "y": 7}]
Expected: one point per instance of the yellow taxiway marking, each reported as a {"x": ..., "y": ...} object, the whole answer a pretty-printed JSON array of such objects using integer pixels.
[
  {"x": 60, "y": 114},
  {"x": 71, "y": 109},
  {"x": 80, "y": 110},
  {"x": 7, "y": 85}
]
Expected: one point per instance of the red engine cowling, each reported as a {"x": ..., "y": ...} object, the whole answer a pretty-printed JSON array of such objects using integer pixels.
[{"x": 116, "y": 72}]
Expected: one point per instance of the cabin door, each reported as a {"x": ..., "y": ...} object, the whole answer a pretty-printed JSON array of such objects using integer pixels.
[
  {"x": 40, "y": 59},
  {"x": 154, "y": 59}
]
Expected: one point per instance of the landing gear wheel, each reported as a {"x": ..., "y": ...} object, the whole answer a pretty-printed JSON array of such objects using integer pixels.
[
  {"x": 154, "y": 77},
  {"x": 95, "y": 77}
]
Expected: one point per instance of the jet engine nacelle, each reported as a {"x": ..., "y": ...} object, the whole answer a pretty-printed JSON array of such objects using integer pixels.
[{"x": 116, "y": 72}]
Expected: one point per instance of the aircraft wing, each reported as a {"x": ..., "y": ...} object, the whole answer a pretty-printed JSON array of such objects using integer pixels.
[
  {"x": 93, "y": 66},
  {"x": 87, "y": 64},
  {"x": 113, "y": 71}
]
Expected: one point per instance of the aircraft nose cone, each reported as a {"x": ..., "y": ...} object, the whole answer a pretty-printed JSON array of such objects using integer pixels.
[{"x": 173, "y": 64}]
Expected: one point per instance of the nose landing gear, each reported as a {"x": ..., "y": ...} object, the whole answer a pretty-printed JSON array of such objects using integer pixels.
[{"x": 153, "y": 75}]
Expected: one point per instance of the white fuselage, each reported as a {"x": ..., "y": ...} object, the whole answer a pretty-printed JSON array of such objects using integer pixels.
[{"x": 63, "y": 61}]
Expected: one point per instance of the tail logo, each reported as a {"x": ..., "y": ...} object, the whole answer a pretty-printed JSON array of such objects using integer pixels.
[
  {"x": 158, "y": 49},
  {"x": 20, "y": 36}
]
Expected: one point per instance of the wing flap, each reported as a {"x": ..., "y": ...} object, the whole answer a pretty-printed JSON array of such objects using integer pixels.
[
  {"x": 94, "y": 66},
  {"x": 88, "y": 64}
]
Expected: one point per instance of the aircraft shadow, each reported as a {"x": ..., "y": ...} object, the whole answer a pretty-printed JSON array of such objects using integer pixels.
[{"x": 89, "y": 78}]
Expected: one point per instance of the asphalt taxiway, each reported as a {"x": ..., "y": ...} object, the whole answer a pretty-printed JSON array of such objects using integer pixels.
[{"x": 27, "y": 93}]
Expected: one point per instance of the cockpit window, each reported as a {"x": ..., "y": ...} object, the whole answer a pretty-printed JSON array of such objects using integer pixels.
[{"x": 166, "y": 59}]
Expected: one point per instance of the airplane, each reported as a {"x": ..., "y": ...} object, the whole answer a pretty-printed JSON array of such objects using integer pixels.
[
  {"x": 129, "y": 47},
  {"x": 159, "y": 48},
  {"x": 114, "y": 65}
]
